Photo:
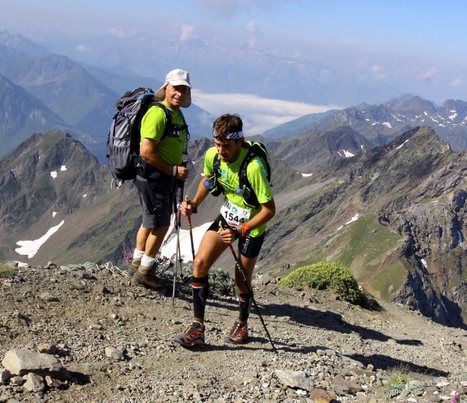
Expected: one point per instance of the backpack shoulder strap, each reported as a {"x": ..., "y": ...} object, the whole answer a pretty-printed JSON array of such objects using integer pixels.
[
  {"x": 255, "y": 149},
  {"x": 168, "y": 117},
  {"x": 216, "y": 188},
  {"x": 243, "y": 166},
  {"x": 170, "y": 127},
  {"x": 216, "y": 164}
]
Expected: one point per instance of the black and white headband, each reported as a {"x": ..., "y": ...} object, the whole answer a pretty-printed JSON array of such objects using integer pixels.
[{"x": 230, "y": 136}]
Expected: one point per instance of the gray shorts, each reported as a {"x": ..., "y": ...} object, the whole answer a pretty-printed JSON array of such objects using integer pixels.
[{"x": 156, "y": 197}]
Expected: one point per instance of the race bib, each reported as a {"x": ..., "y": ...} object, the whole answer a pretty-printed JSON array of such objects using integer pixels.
[{"x": 233, "y": 214}]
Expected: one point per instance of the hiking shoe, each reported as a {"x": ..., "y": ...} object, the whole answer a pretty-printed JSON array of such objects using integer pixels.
[
  {"x": 134, "y": 266},
  {"x": 145, "y": 277},
  {"x": 193, "y": 336},
  {"x": 238, "y": 333}
]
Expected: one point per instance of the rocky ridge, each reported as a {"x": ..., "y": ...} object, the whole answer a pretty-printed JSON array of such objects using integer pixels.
[
  {"x": 380, "y": 123},
  {"x": 114, "y": 343}
]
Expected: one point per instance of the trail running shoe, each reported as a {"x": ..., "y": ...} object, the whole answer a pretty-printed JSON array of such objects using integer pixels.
[
  {"x": 146, "y": 277},
  {"x": 238, "y": 334},
  {"x": 193, "y": 336}
]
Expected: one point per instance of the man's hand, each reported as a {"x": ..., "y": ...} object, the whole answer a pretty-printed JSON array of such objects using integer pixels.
[
  {"x": 228, "y": 235},
  {"x": 243, "y": 230},
  {"x": 181, "y": 172},
  {"x": 187, "y": 207}
]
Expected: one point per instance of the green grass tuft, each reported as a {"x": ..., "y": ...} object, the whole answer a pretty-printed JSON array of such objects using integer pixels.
[
  {"x": 325, "y": 275},
  {"x": 7, "y": 271},
  {"x": 396, "y": 385},
  {"x": 220, "y": 282}
]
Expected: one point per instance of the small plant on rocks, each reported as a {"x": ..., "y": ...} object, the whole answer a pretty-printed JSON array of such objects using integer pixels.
[
  {"x": 127, "y": 257},
  {"x": 325, "y": 275},
  {"x": 221, "y": 283},
  {"x": 396, "y": 385},
  {"x": 402, "y": 386},
  {"x": 6, "y": 271}
]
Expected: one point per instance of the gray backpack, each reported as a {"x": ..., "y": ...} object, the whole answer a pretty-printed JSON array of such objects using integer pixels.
[{"x": 124, "y": 134}]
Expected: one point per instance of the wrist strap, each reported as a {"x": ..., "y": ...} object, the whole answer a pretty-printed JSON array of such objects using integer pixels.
[{"x": 174, "y": 171}]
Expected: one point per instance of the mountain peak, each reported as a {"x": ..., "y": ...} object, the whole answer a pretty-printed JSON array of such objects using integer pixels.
[
  {"x": 411, "y": 104},
  {"x": 18, "y": 44}
]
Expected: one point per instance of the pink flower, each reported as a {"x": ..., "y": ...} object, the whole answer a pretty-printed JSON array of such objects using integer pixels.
[
  {"x": 455, "y": 397},
  {"x": 128, "y": 257}
]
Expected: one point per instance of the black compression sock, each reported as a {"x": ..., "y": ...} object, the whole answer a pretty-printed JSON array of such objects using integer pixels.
[{"x": 200, "y": 290}]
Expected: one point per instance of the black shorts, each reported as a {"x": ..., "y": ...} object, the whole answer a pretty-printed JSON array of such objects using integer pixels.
[
  {"x": 156, "y": 197},
  {"x": 249, "y": 246}
]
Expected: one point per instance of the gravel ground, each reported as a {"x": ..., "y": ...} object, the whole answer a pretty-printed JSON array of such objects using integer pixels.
[{"x": 115, "y": 340}]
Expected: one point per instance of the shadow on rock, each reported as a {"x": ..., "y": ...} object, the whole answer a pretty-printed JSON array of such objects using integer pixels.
[
  {"x": 328, "y": 320},
  {"x": 79, "y": 378},
  {"x": 384, "y": 362}
]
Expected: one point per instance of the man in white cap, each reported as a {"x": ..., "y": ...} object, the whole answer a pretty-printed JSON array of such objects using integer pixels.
[{"x": 164, "y": 137}]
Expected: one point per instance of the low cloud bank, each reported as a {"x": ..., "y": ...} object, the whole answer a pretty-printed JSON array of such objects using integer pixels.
[{"x": 258, "y": 114}]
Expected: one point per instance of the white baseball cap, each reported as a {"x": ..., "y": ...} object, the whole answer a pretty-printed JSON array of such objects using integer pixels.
[{"x": 176, "y": 77}]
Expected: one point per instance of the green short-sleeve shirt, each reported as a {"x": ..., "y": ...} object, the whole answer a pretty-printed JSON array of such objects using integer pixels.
[
  {"x": 230, "y": 181},
  {"x": 170, "y": 148}
]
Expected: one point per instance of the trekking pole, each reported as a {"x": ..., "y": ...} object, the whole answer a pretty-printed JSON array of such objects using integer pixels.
[
  {"x": 178, "y": 258},
  {"x": 238, "y": 266},
  {"x": 178, "y": 255},
  {"x": 190, "y": 229}
]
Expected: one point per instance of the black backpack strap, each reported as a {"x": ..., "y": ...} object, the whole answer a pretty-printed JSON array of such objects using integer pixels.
[
  {"x": 215, "y": 187},
  {"x": 170, "y": 128},
  {"x": 248, "y": 194},
  {"x": 254, "y": 150}
]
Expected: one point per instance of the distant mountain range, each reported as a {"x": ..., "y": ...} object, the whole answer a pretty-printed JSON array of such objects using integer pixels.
[
  {"x": 41, "y": 91},
  {"x": 23, "y": 114},
  {"x": 287, "y": 69},
  {"x": 381, "y": 123},
  {"x": 63, "y": 94}
]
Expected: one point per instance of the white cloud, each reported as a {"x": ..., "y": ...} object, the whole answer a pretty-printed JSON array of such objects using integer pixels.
[
  {"x": 378, "y": 72},
  {"x": 252, "y": 31},
  {"x": 82, "y": 48},
  {"x": 429, "y": 74},
  {"x": 258, "y": 114},
  {"x": 119, "y": 33},
  {"x": 186, "y": 32},
  {"x": 457, "y": 82}
]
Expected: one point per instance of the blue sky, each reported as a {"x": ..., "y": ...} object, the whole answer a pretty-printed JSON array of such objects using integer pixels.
[
  {"x": 429, "y": 28},
  {"x": 378, "y": 34}
]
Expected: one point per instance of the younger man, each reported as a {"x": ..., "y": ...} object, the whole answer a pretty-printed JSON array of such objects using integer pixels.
[{"x": 237, "y": 220}]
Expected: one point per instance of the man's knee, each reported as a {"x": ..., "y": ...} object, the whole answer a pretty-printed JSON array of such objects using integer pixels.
[{"x": 200, "y": 267}]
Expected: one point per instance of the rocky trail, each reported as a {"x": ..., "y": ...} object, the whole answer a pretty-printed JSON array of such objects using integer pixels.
[{"x": 82, "y": 333}]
